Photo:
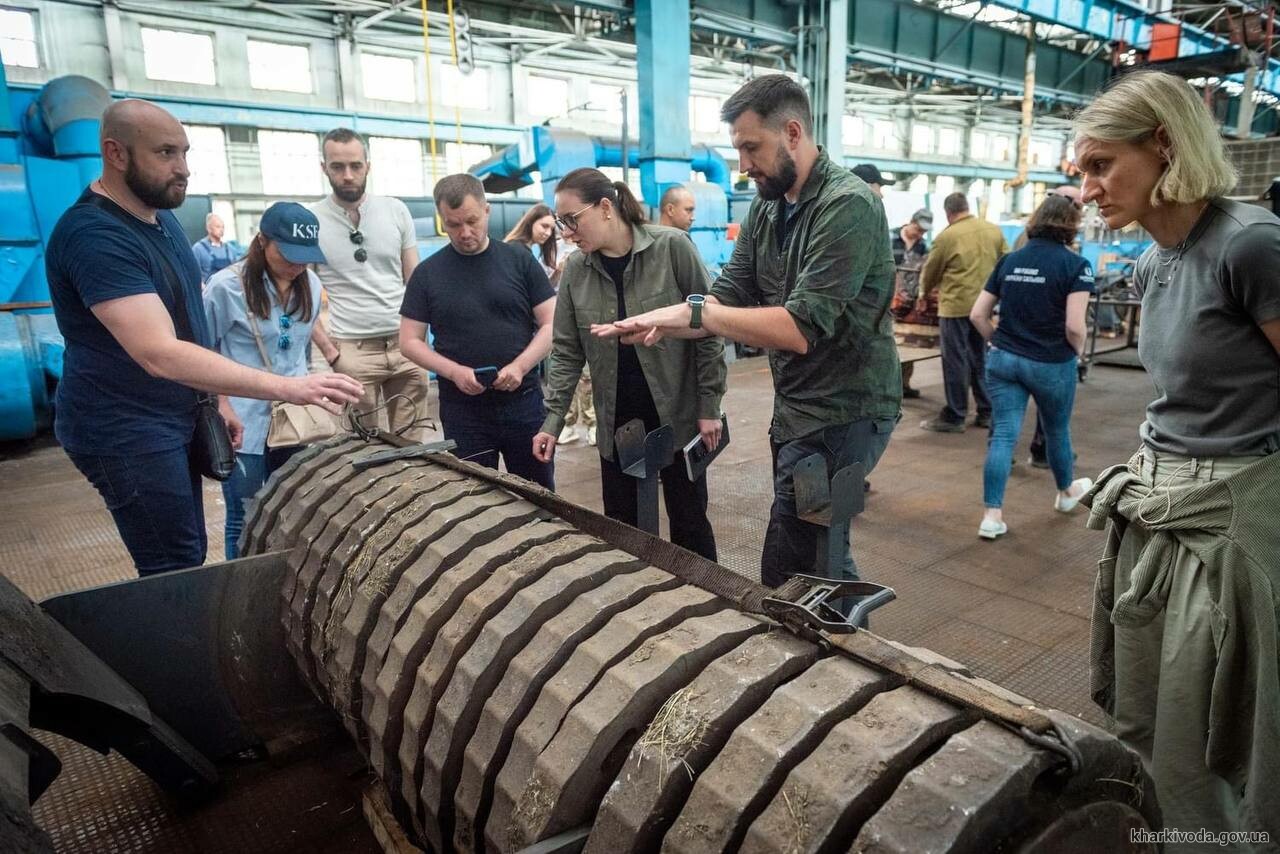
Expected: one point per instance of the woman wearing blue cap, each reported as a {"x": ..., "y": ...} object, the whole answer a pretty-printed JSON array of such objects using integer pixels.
[{"x": 265, "y": 306}]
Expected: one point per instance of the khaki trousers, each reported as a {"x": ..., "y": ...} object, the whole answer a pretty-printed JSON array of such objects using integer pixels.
[
  {"x": 391, "y": 382},
  {"x": 582, "y": 411},
  {"x": 1164, "y": 670}
]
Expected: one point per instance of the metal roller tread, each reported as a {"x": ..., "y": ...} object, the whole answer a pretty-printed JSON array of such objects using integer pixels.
[
  {"x": 346, "y": 577},
  {"x": 574, "y": 770},
  {"x": 541, "y": 594},
  {"x": 513, "y": 675},
  {"x": 751, "y": 767},
  {"x": 264, "y": 507},
  {"x": 309, "y": 557},
  {"x": 463, "y": 527},
  {"x": 368, "y": 535},
  {"x": 326, "y": 605},
  {"x": 975, "y": 789},
  {"x": 827, "y": 798},
  {"x": 370, "y": 578},
  {"x": 312, "y": 493},
  {"x": 322, "y": 533},
  {"x": 487, "y": 545},
  {"x": 415, "y": 690},
  {"x": 521, "y": 679},
  {"x": 619, "y": 638},
  {"x": 686, "y": 734}
]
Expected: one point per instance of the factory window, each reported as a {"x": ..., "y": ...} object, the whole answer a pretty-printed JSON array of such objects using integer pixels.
[
  {"x": 279, "y": 67},
  {"x": 460, "y": 158},
  {"x": 704, "y": 114},
  {"x": 949, "y": 142},
  {"x": 290, "y": 163},
  {"x": 606, "y": 105},
  {"x": 978, "y": 145},
  {"x": 389, "y": 78},
  {"x": 207, "y": 160},
  {"x": 921, "y": 139},
  {"x": 851, "y": 131},
  {"x": 468, "y": 91},
  {"x": 178, "y": 56},
  {"x": 883, "y": 135},
  {"x": 546, "y": 97},
  {"x": 18, "y": 42},
  {"x": 1043, "y": 153},
  {"x": 1001, "y": 147},
  {"x": 396, "y": 167}
]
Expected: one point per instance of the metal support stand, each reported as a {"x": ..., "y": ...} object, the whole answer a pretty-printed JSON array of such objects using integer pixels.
[
  {"x": 831, "y": 503},
  {"x": 643, "y": 456}
]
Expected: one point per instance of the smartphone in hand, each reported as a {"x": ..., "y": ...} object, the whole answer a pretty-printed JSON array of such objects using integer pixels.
[{"x": 486, "y": 375}]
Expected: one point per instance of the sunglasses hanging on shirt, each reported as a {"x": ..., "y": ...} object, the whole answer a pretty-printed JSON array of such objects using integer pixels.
[
  {"x": 357, "y": 238},
  {"x": 286, "y": 323}
]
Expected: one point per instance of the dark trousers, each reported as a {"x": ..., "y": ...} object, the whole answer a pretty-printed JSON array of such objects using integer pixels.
[
  {"x": 495, "y": 424},
  {"x": 157, "y": 504},
  {"x": 963, "y": 367},
  {"x": 791, "y": 545},
  {"x": 686, "y": 504},
  {"x": 251, "y": 472}
]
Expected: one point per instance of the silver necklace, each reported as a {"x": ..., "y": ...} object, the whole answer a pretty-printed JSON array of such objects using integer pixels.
[
  {"x": 1170, "y": 265},
  {"x": 1164, "y": 262}
]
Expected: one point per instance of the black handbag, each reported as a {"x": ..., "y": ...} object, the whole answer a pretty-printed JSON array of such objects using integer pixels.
[{"x": 211, "y": 451}]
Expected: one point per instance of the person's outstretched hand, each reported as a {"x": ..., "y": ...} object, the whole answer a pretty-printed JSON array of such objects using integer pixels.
[{"x": 332, "y": 391}]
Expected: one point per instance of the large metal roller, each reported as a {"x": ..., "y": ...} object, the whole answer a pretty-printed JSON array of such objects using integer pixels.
[{"x": 513, "y": 678}]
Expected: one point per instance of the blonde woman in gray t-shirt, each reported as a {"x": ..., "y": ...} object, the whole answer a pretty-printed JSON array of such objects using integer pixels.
[{"x": 1188, "y": 689}]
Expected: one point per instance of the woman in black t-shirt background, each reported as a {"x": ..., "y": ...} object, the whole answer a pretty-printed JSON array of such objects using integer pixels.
[{"x": 1043, "y": 290}]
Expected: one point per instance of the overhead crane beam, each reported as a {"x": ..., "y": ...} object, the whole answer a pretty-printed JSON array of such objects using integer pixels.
[{"x": 1122, "y": 20}]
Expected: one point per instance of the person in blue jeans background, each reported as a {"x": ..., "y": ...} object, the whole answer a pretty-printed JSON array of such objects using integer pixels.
[
  {"x": 273, "y": 285},
  {"x": 1043, "y": 291}
]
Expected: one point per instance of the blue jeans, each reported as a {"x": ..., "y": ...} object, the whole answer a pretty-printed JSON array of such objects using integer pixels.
[
  {"x": 497, "y": 424},
  {"x": 1011, "y": 379},
  {"x": 791, "y": 545},
  {"x": 963, "y": 351},
  {"x": 157, "y": 504},
  {"x": 251, "y": 472}
]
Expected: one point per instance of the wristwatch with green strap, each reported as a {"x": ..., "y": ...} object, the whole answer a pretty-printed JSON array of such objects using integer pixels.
[{"x": 696, "y": 302}]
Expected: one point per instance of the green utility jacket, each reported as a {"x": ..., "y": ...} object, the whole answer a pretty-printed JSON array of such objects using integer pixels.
[
  {"x": 686, "y": 377},
  {"x": 832, "y": 269},
  {"x": 1231, "y": 526},
  {"x": 960, "y": 262}
]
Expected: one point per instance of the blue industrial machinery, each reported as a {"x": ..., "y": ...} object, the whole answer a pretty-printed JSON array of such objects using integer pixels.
[
  {"x": 552, "y": 153},
  {"x": 48, "y": 140}
]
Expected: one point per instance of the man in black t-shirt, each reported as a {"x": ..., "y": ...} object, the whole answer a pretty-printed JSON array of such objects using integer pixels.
[{"x": 488, "y": 306}]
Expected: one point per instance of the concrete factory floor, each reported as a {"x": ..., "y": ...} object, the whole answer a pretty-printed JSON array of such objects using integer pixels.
[{"x": 1016, "y": 610}]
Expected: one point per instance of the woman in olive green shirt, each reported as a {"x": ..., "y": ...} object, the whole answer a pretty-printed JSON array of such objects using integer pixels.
[{"x": 624, "y": 267}]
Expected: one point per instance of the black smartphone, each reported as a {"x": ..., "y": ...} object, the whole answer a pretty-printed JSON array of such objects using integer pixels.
[
  {"x": 486, "y": 375},
  {"x": 696, "y": 455}
]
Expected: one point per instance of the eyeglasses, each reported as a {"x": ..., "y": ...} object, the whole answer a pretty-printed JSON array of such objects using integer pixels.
[
  {"x": 357, "y": 238},
  {"x": 569, "y": 221},
  {"x": 286, "y": 323}
]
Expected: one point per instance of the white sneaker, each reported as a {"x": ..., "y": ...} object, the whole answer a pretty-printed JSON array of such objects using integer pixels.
[
  {"x": 990, "y": 529},
  {"x": 568, "y": 435},
  {"x": 1066, "y": 505},
  {"x": 591, "y": 436}
]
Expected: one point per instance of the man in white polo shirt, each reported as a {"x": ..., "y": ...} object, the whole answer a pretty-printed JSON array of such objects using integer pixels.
[{"x": 371, "y": 249}]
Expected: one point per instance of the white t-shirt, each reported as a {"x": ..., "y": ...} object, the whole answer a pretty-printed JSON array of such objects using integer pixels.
[{"x": 364, "y": 297}]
